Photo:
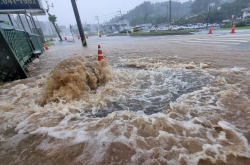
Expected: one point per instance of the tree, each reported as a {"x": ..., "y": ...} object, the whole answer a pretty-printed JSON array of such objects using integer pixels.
[
  {"x": 199, "y": 6},
  {"x": 216, "y": 16},
  {"x": 52, "y": 18},
  {"x": 234, "y": 8},
  {"x": 155, "y": 13}
]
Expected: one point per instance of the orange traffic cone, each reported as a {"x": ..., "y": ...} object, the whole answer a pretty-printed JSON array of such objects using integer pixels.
[
  {"x": 100, "y": 56},
  {"x": 210, "y": 30},
  {"x": 233, "y": 29},
  {"x": 45, "y": 46}
]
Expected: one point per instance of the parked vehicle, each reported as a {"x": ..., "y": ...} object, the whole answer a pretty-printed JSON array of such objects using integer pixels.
[
  {"x": 125, "y": 31},
  {"x": 209, "y": 25},
  {"x": 190, "y": 26},
  {"x": 200, "y": 26},
  {"x": 135, "y": 29},
  {"x": 153, "y": 29},
  {"x": 222, "y": 25},
  {"x": 162, "y": 28},
  {"x": 215, "y": 25},
  {"x": 174, "y": 27},
  {"x": 183, "y": 27}
]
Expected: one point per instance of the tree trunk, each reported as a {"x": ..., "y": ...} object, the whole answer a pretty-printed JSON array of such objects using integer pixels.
[{"x": 57, "y": 31}]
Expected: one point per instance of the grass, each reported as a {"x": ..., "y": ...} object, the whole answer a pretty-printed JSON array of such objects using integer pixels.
[
  {"x": 50, "y": 43},
  {"x": 243, "y": 27},
  {"x": 159, "y": 32}
]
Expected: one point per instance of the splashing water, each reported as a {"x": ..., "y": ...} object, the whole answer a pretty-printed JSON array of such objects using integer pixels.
[
  {"x": 152, "y": 91},
  {"x": 72, "y": 77},
  {"x": 126, "y": 116}
]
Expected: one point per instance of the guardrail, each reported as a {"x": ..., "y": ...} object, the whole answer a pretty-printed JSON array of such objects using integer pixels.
[{"x": 17, "y": 47}]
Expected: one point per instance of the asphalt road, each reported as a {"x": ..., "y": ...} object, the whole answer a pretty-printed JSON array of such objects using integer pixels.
[
  {"x": 221, "y": 49},
  {"x": 240, "y": 39}
]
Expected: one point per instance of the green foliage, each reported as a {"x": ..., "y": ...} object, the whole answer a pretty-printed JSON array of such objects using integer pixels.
[
  {"x": 158, "y": 12},
  {"x": 153, "y": 18},
  {"x": 49, "y": 43},
  {"x": 215, "y": 15},
  {"x": 228, "y": 26},
  {"x": 199, "y": 6},
  {"x": 155, "y": 13},
  {"x": 52, "y": 18},
  {"x": 241, "y": 24},
  {"x": 234, "y": 8},
  {"x": 201, "y": 18}
]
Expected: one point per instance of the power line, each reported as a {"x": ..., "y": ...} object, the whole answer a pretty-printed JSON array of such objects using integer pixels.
[
  {"x": 108, "y": 14},
  {"x": 108, "y": 17}
]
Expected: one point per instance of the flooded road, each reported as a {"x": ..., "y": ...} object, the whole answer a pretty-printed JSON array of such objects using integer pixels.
[{"x": 175, "y": 100}]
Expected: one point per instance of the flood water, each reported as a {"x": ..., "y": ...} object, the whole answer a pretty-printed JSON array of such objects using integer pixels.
[{"x": 161, "y": 103}]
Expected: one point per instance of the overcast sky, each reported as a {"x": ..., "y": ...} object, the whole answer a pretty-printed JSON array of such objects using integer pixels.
[{"x": 88, "y": 9}]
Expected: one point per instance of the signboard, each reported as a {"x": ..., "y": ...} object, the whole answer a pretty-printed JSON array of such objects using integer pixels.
[
  {"x": 212, "y": 4},
  {"x": 19, "y": 4}
]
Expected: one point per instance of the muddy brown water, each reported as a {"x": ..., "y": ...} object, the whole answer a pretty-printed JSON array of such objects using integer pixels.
[{"x": 150, "y": 102}]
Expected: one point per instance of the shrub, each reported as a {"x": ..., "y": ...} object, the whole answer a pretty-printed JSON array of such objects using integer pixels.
[{"x": 241, "y": 24}]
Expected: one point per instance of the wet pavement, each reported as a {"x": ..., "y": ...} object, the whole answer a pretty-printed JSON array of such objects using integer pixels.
[{"x": 180, "y": 100}]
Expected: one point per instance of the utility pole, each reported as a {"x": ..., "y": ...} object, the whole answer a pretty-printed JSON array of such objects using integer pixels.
[
  {"x": 170, "y": 12},
  {"x": 96, "y": 18},
  {"x": 121, "y": 18},
  {"x": 98, "y": 31},
  {"x": 79, "y": 23}
]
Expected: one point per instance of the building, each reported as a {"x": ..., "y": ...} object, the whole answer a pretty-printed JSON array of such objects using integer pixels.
[
  {"x": 246, "y": 14},
  {"x": 116, "y": 27}
]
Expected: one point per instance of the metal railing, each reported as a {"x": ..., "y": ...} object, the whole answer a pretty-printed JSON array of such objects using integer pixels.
[{"x": 17, "y": 47}]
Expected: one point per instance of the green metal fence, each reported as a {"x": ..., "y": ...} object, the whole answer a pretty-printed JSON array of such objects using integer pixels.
[{"x": 17, "y": 47}]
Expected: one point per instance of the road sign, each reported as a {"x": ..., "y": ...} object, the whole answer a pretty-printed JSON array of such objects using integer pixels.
[
  {"x": 212, "y": 4},
  {"x": 20, "y": 4}
]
